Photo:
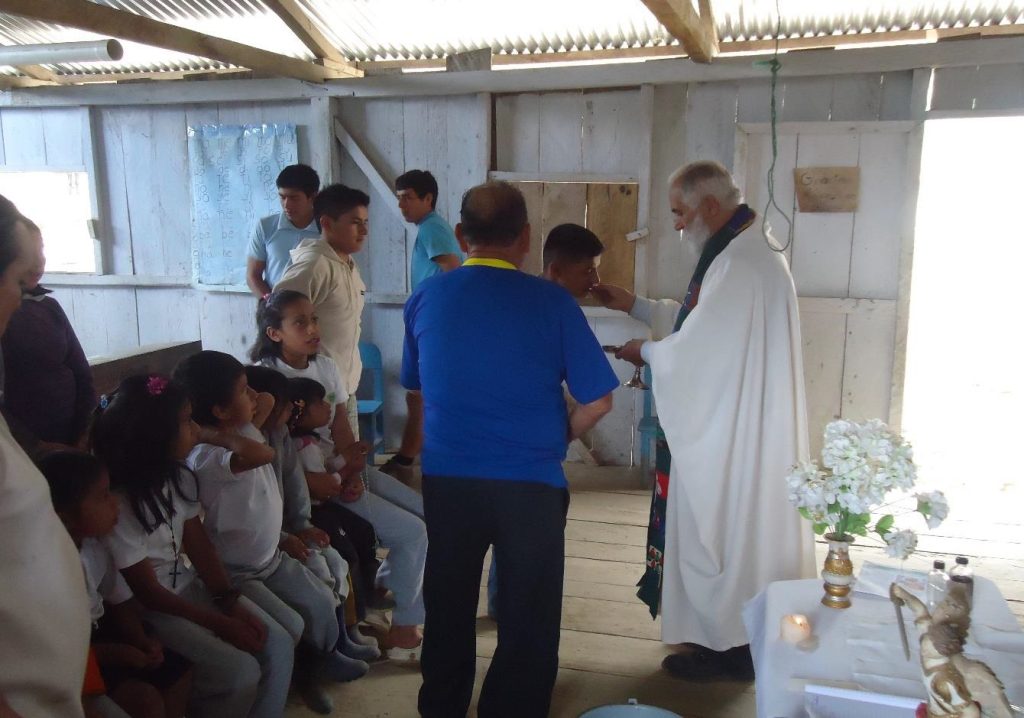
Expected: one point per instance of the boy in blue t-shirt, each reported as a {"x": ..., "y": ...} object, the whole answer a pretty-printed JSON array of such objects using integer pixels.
[{"x": 435, "y": 251}]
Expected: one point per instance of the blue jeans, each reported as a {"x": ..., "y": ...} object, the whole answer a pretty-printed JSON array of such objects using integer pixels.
[
  {"x": 228, "y": 681},
  {"x": 396, "y": 511}
]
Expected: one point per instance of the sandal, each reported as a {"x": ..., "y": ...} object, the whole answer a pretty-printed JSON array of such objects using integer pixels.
[{"x": 408, "y": 656}]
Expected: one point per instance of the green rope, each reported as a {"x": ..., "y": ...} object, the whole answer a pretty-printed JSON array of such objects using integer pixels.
[{"x": 774, "y": 66}]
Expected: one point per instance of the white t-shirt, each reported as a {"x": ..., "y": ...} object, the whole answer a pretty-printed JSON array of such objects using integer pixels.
[
  {"x": 130, "y": 543},
  {"x": 102, "y": 579},
  {"x": 244, "y": 511},
  {"x": 311, "y": 458},
  {"x": 322, "y": 369}
]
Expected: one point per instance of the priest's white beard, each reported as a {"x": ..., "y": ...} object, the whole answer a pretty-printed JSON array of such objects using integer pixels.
[{"x": 695, "y": 235}]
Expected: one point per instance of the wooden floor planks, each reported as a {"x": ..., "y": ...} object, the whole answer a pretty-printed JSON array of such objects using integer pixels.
[{"x": 610, "y": 649}]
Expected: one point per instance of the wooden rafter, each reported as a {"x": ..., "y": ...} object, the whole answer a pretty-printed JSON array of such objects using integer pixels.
[
  {"x": 697, "y": 34},
  {"x": 305, "y": 29},
  {"x": 13, "y": 82},
  {"x": 707, "y": 23},
  {"x": 38, "y": 72},
  {"x": 90, "y": 16}
]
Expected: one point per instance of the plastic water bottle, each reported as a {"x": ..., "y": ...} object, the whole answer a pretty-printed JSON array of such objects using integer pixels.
[
  {"x": 935, "y": 591},
  {"x": 963, "y": 574}
]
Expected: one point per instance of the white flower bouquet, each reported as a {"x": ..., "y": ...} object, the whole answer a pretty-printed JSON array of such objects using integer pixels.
[{"x": 862, "y": 465}]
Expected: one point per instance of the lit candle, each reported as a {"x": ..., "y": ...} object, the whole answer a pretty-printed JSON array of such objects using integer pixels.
[{"x": 796, "y": 629}]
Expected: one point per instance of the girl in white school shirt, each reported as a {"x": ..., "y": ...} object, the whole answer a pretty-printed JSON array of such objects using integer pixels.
[
  {"x": 245, "y": 511},
  {"x": 288, "y": 340},
  {"x": 242, "y": 658}
]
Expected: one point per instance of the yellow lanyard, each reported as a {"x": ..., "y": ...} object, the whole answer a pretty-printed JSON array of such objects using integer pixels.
[{"x": 488, "y": 262}]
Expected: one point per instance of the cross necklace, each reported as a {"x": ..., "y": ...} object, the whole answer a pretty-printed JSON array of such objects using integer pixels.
[{"x": 175, "y": 572}]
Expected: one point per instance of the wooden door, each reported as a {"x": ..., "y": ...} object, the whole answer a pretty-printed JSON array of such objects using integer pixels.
[{"x": 609, "y": 210}]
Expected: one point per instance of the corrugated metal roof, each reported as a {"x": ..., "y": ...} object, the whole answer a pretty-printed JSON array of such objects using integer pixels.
[
  {"x": 367, "y": 30},
  {"x": 756, "y": 19},
  {"x": 399, "y": 29}
]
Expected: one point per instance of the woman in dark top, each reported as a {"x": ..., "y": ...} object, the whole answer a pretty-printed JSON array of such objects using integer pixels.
[{"x": 48, "y": 388}]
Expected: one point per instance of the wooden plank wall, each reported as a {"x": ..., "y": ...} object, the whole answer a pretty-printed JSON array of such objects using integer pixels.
[
  {"x": 845, "y": 265},
  {"x": 448, "y": 136},
  {"x": 598, "y": 132},
  {"x": 592, "y": 132},
  {"x": 144, "y": 168},
  {"x": 144, "y": 177},
  {"x": 979, "y": 89}
]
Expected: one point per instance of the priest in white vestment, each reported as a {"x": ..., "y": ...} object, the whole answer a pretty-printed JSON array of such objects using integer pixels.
[{"x": 729, "y": 388}]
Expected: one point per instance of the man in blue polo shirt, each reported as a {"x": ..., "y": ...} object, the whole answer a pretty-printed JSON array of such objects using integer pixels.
[
  {"x": 436, "y": 250},
  {"x": 276, "y": 235},
  {"x": 489, "y": 347}
]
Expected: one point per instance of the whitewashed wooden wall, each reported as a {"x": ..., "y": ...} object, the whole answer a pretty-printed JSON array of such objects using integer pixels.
[
  {"x": 448, "y": 136},
  {"x": 846, "y": 265},
  {"x": 144, "y": 179},
  {"x": 592, "y": 133},
  {"x": 601, "y": 132},
  {"x": 981, "y": 88},
  {"x": 144, "y": 176}
]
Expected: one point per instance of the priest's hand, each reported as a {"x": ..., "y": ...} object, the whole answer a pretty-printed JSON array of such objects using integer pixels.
[
  {"x": 630, "y": 351},
  {"x": 613, "y": 297}
]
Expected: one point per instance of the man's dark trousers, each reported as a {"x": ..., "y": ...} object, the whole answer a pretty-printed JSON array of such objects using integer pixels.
[{"x": 525, "y": 521}]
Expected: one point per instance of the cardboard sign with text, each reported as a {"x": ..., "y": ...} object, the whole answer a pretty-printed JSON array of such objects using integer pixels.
[{"x": 827, "y": 189}]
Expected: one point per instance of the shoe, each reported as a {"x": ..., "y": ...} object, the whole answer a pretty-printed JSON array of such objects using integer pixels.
[
  {"x": 702, "y": 664},
  {"x": 404, "y": 656},
  {"x": 340, "y": 668},
  {"x": 403, "y": 473},
  {"x": 740, "y": 662},
  {"x": 314, "y": 696},
  {"x": 357, "y": 637},
  {"x": 359, "y": 651},
  {"x": 381, "y": 599},
  {"x": 377, "y": 621}
]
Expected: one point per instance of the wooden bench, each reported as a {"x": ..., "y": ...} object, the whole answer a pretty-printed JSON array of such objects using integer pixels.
[{"x": 110, "y": 369}]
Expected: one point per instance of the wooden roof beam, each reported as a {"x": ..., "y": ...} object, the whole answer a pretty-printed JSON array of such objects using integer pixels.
[
  {"x": 303, "y": 27},
  {"x": 14, "y": 82},
  {"x": 38, "y": 72},
  {"x": 695, "y": 31},
  {"x": 104, "y": 20}
]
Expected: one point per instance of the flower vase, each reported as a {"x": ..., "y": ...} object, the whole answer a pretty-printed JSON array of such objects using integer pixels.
[{"x": 837, "y": 572}]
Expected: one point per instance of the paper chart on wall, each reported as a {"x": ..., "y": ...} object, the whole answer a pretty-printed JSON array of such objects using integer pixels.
[{"x": 232, "y": 169}]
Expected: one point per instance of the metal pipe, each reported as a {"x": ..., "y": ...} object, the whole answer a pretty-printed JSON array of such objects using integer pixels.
[{"x": 61, "y": 52}]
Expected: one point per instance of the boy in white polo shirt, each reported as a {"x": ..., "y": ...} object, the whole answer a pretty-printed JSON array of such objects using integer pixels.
[{"x": 244, "y": 512}]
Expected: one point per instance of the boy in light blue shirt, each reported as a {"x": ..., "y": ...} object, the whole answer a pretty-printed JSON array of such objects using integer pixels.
[
  {"x": 276, "y": 235},
  {"x": 435, "y": 251}
]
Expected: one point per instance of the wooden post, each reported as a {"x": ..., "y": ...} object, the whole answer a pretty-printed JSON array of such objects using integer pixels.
[
  {"x": 323, "y": 144},
  {"x": 92, "y": 157},
  {"x": 918, "y": 108}
]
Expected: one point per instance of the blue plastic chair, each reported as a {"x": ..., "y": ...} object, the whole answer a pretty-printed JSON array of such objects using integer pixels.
[
  {"x": 648, "y": 430},
  {"x": 370, "y": 398}
]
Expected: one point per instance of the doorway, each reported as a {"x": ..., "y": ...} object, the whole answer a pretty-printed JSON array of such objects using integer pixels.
[{"x": 964, "y": 390}]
